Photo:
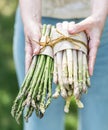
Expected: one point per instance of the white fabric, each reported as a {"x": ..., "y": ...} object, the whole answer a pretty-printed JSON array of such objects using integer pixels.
[{"x": 66, "y": 8}]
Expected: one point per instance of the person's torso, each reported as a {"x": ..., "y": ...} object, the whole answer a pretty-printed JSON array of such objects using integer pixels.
[{"x": 66, "y": 8}]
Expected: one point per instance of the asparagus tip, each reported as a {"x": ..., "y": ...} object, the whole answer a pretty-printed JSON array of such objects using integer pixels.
[
  {"x": 76, "y": 93},
  {"x": 70, "y": 81},
  {"x": 63, "y": 93},
  {"x": 70, "y": 93},
  {"x": 56, "y": 95},
  {"x": 66, "y": 109},
  {"x": 33, "y": 104},
  {"x": 84, "y": 89},
  {"x": 38, "y": 97},
  {"x": 79, "y": 103},
  {"x": 42, "y": 108}
]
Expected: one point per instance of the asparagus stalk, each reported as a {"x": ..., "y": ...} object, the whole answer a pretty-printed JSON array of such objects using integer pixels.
[
  {"x": 59, "y": 69},
  {"x": 14, "y": 107},
  {"x": 34, "y": 80},
  {"x": 24, "y": 86},
  {"x": 79, "y": 103},
  {"x": 69, "y": 63},
  {"x": 88, "y": 78},
  {"x": 48, "y": 60},
  {"x": 67, "y": 105},
  {"x": 80, "y": 66},
  {"x": 49, "y": 95},
  {"x": 55, "y": 75},
  {"x": 28, "y": 78},
  {"x": 34, "y": 94},
  {"x": 28, "y": 113},
  {"x": 65, "y": 69},
  {"x": 55, "y": 72},
  {"x": 87, "y": 74},
  {"x": 19, "y": 113},
  {"x": 39, "y": 95},
  {"x": 72, "y": 86},
  {"x": 50, "y": 76},
  {"x": 42, "y": 103},
  {"x": 28, "y": 98},
  {"x": 76, "y": 88},
  {"x": 42, "y": 80},
  {"x": 57, "y": 92},
  {"x": 70, "y": 91},
  {"x": 84, "y": 73}
]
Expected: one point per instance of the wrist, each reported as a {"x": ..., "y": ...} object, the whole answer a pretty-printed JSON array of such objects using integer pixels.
[
  {"x": 32, "y": 27},
  {"x": 99, "y": 10},
  {"x": 99, "y": 19},
  {"x": 31, "y": 20}
]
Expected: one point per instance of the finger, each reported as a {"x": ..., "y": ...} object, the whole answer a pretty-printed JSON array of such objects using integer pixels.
[
  {"x": 28, "y": 55},
  {"x": 70, "y": 25},
  {"x": 35, "y": 46},
  {"x": 92, "y": 55},
  {"x": 34, "y": 39},
  {"x": 59, "y": 26},
  {"x": 65, "y": 25},
  {"x": 82, "y": 26}
]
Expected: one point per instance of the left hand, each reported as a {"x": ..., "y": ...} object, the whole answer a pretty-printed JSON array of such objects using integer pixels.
[
  {"x": 93, "y": 27},
  {"x": 32, "y": 31}
]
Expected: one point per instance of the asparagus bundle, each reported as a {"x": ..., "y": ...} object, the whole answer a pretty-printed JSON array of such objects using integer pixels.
[
  {"x": 36, "y": 91},
  {"x": 70, "y": 74},
  {"x": 70, "y": 70}
]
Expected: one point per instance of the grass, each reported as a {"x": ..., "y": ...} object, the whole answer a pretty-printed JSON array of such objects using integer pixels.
[{"x": 8, "y": 80}]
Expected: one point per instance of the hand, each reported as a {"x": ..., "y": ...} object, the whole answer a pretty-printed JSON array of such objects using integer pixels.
[
  {"x": 93, "y": 27},
  {"x": 32, "y": 36}
]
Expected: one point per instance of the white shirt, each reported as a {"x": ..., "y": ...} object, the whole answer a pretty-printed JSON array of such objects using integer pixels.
[{"x": 66, "y": 8}]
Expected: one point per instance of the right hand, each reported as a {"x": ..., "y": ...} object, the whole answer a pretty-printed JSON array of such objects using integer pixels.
[
  {"x": 32, "y": 32},
  {"x": 93, "y": 26}
]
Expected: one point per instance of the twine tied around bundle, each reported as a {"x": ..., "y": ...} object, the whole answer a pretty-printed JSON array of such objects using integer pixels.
[{"x": 51, "y": 42}]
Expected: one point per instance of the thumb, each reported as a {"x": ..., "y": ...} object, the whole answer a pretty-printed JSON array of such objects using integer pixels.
[
  {"x": 81, "y": 26},
  {"x": 93, "y": 48}
]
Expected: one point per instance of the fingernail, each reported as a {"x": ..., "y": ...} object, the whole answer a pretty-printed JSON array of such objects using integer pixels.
[{"x": 72, "y": 30}]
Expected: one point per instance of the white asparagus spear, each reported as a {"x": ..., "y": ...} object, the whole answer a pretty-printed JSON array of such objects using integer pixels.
[
  {"x": 64, "y": 69},
  {"x": 79, "y": 103},
  {"x": 59, "y": 69},
  {"x": 87, "y": 75},
  {"x": 57, "y": 92},
  {"x": 69, "y": 63},
  {"x": 76, "y": 88},
  {"x": 67, "y": 105},
  {"x": 70, "y": 91},
  {"x": 55, "y": 75},
  {"x": 80, "y": 69},
  {"x": 65, "y": 65},
  {"x": 70, "y": 25},
  {"x": 84, "y": 73},
  {"x": 88, "y": 78}
]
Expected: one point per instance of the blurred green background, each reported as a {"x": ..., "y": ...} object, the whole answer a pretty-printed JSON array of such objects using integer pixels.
[{"x": 8, "y": 80}]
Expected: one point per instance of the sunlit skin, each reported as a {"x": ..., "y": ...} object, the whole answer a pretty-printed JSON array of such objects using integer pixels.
[{"x": 93, "y": 26}]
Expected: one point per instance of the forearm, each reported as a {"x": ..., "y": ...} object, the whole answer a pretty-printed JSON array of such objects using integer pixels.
[
  {"x": 30, "y": 10},
  {"x": 99, "y": 9}
]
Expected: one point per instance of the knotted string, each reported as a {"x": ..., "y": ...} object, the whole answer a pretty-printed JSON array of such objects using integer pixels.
[{"x": 51, "y": 42}]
